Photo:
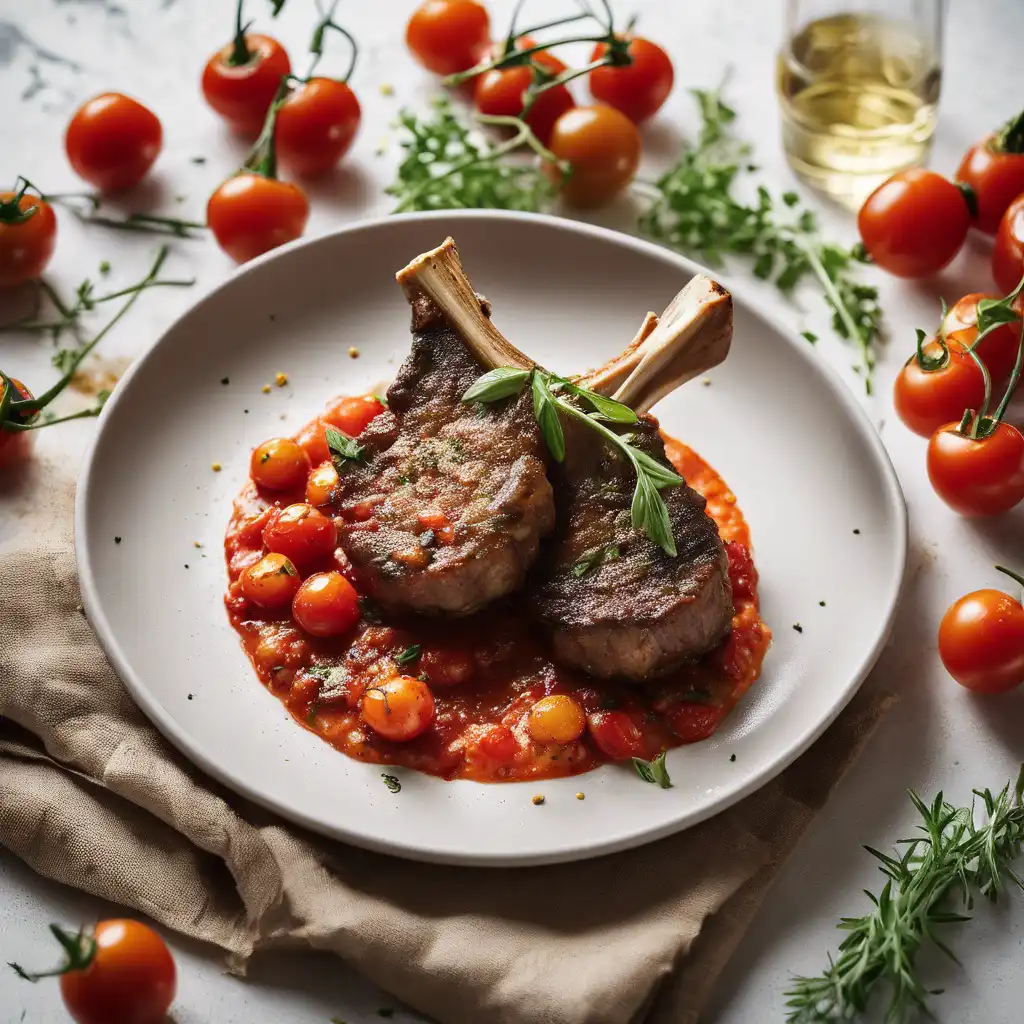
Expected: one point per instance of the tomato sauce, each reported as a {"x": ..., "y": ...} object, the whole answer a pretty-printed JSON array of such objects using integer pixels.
[{"x": 486, "y": 672}]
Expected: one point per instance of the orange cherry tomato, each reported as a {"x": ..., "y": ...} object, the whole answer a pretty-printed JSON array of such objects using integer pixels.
[
  {"x": 16, "y": 445},
  {"x": 127, "y": 977},
  {"x": 981, "y": 641},
  {"x": 997, "y": 178},
  {"x": 316, "y": 126},
  {"x": 321, "y": 483},
  {"x": 447, "y": 666},
  {"x": 1008, "y": 252},
  {"x": 26, "y": 242},
  {"x": 983, "y": 477},
  {"x": 603, "y": 147},
  {"x": 638, "y": 89},
  {"x": 556, "y": 720},
  {"x": 242, "y": 92},
  {"x": 926, "y": 399},
  {"x": 998, "y": 350},
  {"x": 447, "y": 36},
  {"x": 112, "y": 141},
  {"x": 399, "y": 709},
  {"x": 302, "y": 533},
  {"x": 351, "y": 415},
  {"x": 326, "y": 604},
  {"x": 271, "y": 583},
  {"x": 913, "y": 224},
  {"x": 251, "y": 214},
  {"x": 279, "y": 464}
]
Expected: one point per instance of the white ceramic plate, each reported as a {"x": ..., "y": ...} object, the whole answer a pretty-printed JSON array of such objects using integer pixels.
[{"x": 802, "y": 458}]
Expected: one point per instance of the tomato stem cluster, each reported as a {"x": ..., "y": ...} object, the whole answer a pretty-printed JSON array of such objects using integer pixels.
[
  {"x": 1011, "y": 136},
  {"x": 79, "y": 949},
  {"x": 316, "y": 46},
  {"x": 10, "y": 209},
  {"x": 240, "y": 52}
]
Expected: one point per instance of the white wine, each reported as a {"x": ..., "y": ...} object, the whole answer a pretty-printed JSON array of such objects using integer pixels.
[{"x": 859, "y": 95}]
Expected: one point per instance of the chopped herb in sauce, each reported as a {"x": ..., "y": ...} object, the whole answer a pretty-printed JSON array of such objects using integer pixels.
[
  {"x": 595, "y": 557},
  {"x": 391, "y": 781},
  {"x": 409, "y": 655},
  {"x": 653, "y": 771},
  {"x": 343, "y": 449}
]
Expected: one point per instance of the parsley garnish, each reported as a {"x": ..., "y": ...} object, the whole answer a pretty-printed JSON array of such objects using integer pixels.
[
  {"x": 409, "y": 655},
  {"x": 343, "y": 449},
  {"x": 653, "y": 771},
  {"x": 391, "y": 781}
]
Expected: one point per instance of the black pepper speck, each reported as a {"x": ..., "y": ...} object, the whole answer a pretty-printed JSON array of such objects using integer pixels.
[
  {"x": 190, "y": 696},
  {"x": 821, "y": 604},
  {"x": 186, "y": 565},
  {"x": 225, "y": 380},
  {"x": 732, "y": 757},
  {"x": 857, "y": 532},
  {"x": 798, "y": 627},
  {"x": 117, "y": 540}
]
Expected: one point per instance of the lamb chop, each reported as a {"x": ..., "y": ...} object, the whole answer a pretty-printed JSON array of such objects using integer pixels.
[{"x": 447, "y": 503}]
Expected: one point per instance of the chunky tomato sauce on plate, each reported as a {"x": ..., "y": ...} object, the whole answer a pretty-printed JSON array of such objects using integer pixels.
[{"x": 476, "y": 698}]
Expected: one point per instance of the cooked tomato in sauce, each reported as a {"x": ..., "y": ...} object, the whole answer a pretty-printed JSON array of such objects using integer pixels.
[{"x": 474, "y": 698}]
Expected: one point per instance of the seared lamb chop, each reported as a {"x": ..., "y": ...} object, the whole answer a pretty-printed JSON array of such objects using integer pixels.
[
  {"x": 446, "y": 507},
  {"x": 616, "y": 605}
]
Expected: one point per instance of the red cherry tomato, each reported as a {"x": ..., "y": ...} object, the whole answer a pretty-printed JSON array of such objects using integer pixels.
[
  {"x": 313, "y": 440},
  {"x": 1008, "y": 252},
  {"x": 447, "y": 36},
  {"x": 982, "y": 477},
  {"x": 914, "y": 224},
  {"x": 127, "y": 977},
  {"x": 603, "y": 147},
  {"x": 638, "y": 89},
  {"x": 302, "y": 533},
  {"x": 242, "y": 93},
  {"x": 927, "y": 399},
  {"x": 16, "y": 445},
  {"x": 271, "y": 583},
  {"x": 616, "y": 735},
  {"x": 497, "y": 743},
  {"x": 112, "y": 141},
  {"x": 447, "y": 666},
  {"x": 981, "y": 641},
  {"x": 351, "y": 415},
  {"x": 997, "y": 178},
  {"x": 316, "y": 126},
  {"x": 998, "y": 350},
  {"x": 25, "y": 245},
  {"x": 251, "y": 214},
  {"x": 326, "y": 604},
  {"x": 694, "y": 722}
]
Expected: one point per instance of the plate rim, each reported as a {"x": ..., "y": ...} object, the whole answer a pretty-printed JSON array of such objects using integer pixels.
[{"x": 409, "y": 848}]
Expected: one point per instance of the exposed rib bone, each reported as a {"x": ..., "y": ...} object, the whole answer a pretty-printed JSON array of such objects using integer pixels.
[
  {"x": 609, "y": 378},
  {"x": 438, "y": 274}
]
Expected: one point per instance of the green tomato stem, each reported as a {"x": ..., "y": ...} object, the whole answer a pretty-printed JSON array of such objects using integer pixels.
[
  {"x": 1013, "y": 576},
  {"x": 240, "y": 53},
  {"x": 518, "y": 57}
]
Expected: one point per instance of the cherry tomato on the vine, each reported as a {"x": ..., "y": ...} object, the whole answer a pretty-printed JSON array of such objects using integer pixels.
[
  {"x": 112, "y": 141},
  {"x": 251, "y": 214},
  {"x": 1008, "y": 252},
  {"x": 981, "y": 641},
  {"x": 638, "y": 89},
  {"x": 27, "y": 239},
  {"x": 16, "y": 445},
  {"x": 603, "y": 147},
  {"x": 447, "y": 36},
  {"x": 977, "y": 477},
  {"x": 926, "y": 399},
  {"x": 998, "y": 349},
  {"x": 316, "y": 126},
  {"x": 997, "y": 176},
  {"x": 913, "y": 224},
  {"x": 240, "y": 83}
]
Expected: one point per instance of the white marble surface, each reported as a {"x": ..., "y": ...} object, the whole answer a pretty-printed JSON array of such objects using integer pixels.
[{"x": 55, "y": 53}]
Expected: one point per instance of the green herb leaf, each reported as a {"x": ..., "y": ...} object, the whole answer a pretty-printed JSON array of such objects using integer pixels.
[
  {"x": 409, "y": 655},
  {"x": 502, "y": 382},
  {"x": 649, "y": 513},
  {"x": 614, "y": 412},
  {"x": 343, "y": 449},
  {"x": 546, "y": 413},
  {"x": 653, "y": 771},
  {"x": 659, "y": 474},
  {"x": 391, "y": 781},
  {"x": 592, "y": 559},
  {"x": 368, "y": 610}
]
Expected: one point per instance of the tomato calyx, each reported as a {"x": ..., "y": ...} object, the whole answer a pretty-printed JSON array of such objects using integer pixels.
[
  {"x": 79, "y": 951},
  {"x": 10, "y": 209},
  {"x": 927, "y": 363},
  {"x": 1011, "y": 136},
  {"x": 240, "y": 52},
  {"x": 970, "y": 197}
]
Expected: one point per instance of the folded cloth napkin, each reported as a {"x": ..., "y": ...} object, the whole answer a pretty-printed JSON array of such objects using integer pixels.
[{"x": 91, "y": 795}]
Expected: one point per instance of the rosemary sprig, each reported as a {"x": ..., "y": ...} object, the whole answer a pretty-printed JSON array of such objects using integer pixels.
[
  {"x": 649, "y": 513},
  {"x": 952, "y": 862}
]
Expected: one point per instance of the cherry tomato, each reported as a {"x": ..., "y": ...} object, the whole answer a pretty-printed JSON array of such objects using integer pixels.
[
  {"x": 326, "y": 604},
  {"x": 1008, "y": 252},
  {"x": 496, "y": 743},
  {"x": 351, "y": 415},
  {"x": 977, "y": 478},
  {"x": 251, "y": 214},
  {"x": 693, "y": 722},
  {"x": 25, "y": 245},
  {"x": 448, "y": 666},
  {"x": 616, "y": 735},
  {"x": 981, "y": 641},
  {"x": 271, "y": 582},
  {"x": 997, "y": 178},
  {"x": 603, "y": 147},
  {"x": 556, "y": 720},
  {"x": 242, "y": 93},
  {"x": 301, "y": 533},
  {"x": 998, "y": 350},
  {"x": 447, "y": 36},
  {"x": 112, "y": 141},
  {"x": 927, "y": 399},
  {"x": 313, "y": 440},
  {"x": 638, "y": 89},
  {"x": 279, "y": 464},
  {"x": 16, "y": 445},
  {"x": 130, "y": 980},
  {"x": 399, "y": 709},
  {"x": 321, "y": 483},
  {"x": 914, "y": 224},
  {"x": 316, "y": 126}
]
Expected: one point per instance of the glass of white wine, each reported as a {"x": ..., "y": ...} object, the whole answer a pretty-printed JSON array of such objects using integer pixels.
[{"x": 859, "y": 86}]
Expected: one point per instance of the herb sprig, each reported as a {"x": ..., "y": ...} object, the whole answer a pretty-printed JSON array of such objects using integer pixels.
[
  {"x": 653, "y": 771},
  {"x": 343, "y": 449},
  {"x": 955, "y": 859},
  {"x": 648, "y": 513}
]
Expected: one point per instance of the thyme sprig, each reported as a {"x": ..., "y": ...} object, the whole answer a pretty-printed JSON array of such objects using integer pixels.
[
  {"x": 930, "y": 883},
  {"x": 648, "y": 512}
]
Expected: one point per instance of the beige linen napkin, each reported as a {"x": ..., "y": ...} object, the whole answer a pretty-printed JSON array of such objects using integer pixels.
[{"x": 91, "y": 795}]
